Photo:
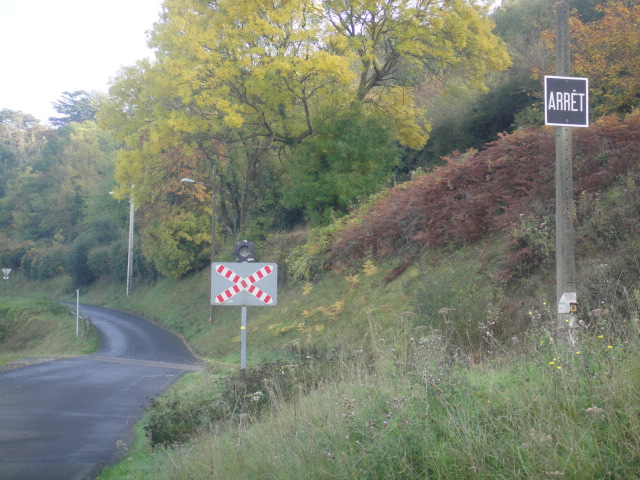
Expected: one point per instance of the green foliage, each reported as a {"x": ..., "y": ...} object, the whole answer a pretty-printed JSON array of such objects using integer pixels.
[
  {"x": 39, "y": 326},
  {"x": 177, "y": 244},
  {"x": 281, "y": 74},
  {"x": 21, "y": 139},
  {"x": 99, "y": 261},
  {"x": 173, "y": 419},
  {"x": 49, "y": 197},
  {"x": 79, "y": 268},
  {"x": 462, "y": 118},
  {"x": 352, "y": 158},
  {"x": 278, "y": 247},
  {"x": 410, "y": 404},
  {"x": 44, "y": 264},
  {"x": 29, "y": 207},
  {"x": 226, "y": 399},
  {"x": 308, "y": 261},
  {"x": 12, "y": 253},
  {"x": 56, "y": 193},
  {"x": 104, "y": 229},
  {"x": 467, "y": 120},
  {"x": 532, "y": 246}
]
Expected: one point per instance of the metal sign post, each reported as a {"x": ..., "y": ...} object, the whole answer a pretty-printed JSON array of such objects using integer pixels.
[
  {"x": 241, "y": 285},
  {"x": 243, "y": 338}
]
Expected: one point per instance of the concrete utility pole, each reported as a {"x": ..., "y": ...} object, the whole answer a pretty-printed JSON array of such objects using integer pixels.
[
  {"x": 565, "y": 231},
  {"x": 132, "y": 212}
]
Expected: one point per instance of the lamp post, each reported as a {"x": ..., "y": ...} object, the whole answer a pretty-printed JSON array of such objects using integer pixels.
[
  {"x": 213, "y": 224},
  {"x": 132, "y": 211}
]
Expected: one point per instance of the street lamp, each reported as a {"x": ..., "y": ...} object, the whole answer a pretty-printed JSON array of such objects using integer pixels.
[{"x": 213, "y": 224}]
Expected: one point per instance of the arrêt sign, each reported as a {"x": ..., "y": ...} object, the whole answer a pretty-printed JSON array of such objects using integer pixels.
[{"x": 566, "y": 101}]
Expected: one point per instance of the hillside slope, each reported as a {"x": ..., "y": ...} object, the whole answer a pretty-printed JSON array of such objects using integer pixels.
[
  {"x": 472, "y": 236},
  {"x": 416, "y": 339}
]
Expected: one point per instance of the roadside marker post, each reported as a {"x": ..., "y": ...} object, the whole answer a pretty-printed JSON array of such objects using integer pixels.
[
  {"x": 5, "y": 276},
  {"x": 77, "y": 312}
]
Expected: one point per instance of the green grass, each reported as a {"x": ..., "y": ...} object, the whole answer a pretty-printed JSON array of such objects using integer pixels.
[
  {"x": 466, "y": 392},
  {"x": 466, "y": 371},
  {"x": 416, "y": 408},
  {"x": 42, "y": 327},
  {"x": 388, "y": 390}
]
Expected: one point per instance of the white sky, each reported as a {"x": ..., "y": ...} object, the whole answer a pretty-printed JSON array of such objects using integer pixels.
[{"x": 48, "y": 47}]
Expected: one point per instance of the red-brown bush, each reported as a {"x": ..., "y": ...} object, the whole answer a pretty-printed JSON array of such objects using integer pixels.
[{"x": 479, "y": 193}]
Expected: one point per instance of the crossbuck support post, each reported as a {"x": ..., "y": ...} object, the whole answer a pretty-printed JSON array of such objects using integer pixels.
[{"x": 243, "y": 339}]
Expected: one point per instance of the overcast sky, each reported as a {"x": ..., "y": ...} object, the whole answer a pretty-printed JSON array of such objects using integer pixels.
[{"x": 48, "y": 47}]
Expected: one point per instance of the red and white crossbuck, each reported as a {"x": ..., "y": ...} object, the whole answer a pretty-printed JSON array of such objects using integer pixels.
[{"x": 243, "y": 284}]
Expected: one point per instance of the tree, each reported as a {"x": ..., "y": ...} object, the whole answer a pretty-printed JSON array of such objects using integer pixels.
[
  {"x": 396, "y": 43},
  {"x": 21, "y": 135},
  {"x": 78, "y": 106},
  {"x": 607, "y": 51},
  {"x": 242, "y": 85},
  {"x": 22, "y": 139},
  {"x": 50, "y": 196},
  {"x": 176, "y": 241},
  {"x": 352, "y": 158},
  {"x": 283, "y": 66}
]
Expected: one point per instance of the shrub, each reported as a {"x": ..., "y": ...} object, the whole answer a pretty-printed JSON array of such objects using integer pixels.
[
  {"x": 79, "y": 268},
  {"x": 175, "y": 418},
  {"x": 241, "y": 395},
  {"x": 479, "y": 193},
  {"x": 41, "y": 264},
  {"x": 50, "y": 264},
  {"x": 11, "y": 254},
  {"x": 99, "y": 260}
]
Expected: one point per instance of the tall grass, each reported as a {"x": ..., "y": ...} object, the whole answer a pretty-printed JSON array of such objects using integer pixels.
[
  {"x": 412, "y": 406},
  {"x": 40, "y": 327}
]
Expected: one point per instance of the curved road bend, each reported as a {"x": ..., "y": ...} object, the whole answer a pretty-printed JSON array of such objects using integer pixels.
[{"x": 67, "y": 419}]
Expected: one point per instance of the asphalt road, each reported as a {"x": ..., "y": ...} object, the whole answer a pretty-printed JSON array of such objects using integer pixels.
[{"x": 66, "y": 419}]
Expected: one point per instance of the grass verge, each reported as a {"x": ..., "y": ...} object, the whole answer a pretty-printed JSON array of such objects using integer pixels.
[
  {"x": 411, "y": 405},
  {"x": 40, "y": 328}
]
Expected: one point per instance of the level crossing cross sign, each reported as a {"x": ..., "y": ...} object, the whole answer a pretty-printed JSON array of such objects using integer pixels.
[{"x": 244, "y": 284}]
